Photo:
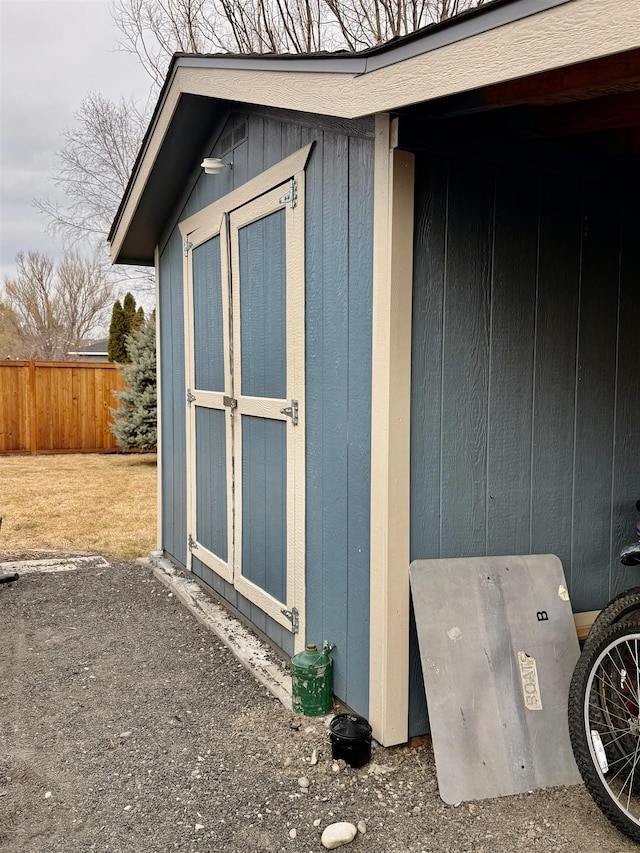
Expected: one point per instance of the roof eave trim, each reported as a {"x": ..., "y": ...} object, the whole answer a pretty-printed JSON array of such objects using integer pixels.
[{"x": 433, "y": 37}]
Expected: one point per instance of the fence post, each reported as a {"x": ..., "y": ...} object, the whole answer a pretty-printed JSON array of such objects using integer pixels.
[{"x": 33, "y": 419}]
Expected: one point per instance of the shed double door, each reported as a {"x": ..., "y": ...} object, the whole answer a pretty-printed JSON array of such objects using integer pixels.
[{"x": 246, "y": 403}]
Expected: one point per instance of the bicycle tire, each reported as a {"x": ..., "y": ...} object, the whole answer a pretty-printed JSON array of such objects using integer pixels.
[
  {"x": 625, "y": 605},
  {"x": 604, "y": 723}
]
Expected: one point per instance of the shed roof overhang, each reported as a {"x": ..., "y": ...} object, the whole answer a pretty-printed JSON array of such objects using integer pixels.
[{"x": 508, "y": 52}]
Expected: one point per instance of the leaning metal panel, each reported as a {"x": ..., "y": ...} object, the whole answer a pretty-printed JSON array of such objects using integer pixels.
[{"x": 498, "y": 646}]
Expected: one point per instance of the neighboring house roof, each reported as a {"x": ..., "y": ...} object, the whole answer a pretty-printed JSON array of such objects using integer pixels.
[
  {"x": 503, "y": 41},
  {"x": 95, "y": 349}
]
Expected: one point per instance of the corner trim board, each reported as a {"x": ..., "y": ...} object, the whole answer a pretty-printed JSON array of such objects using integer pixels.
[{"x": 390, "y": 435}]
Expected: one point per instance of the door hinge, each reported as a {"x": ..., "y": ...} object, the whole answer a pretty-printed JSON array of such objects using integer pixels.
[
  {"x": 190, "y": 397},
  {"x": 186, "y": 245},
  {"x": 192, "y": 543},
  {"x": 294, "y": 617},
  {"x": 291, "y": 412},
  {"x": 291, "y": 197},
  {"x": 230, "y": 402}
]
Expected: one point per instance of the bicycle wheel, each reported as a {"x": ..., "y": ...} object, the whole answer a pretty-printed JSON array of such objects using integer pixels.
[
  {"x": 625, "y": 605},
  {"x": 604, "y": 723}
]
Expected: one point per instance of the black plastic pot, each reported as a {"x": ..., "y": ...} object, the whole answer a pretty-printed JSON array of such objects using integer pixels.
[{"x": 350, "y": 737}]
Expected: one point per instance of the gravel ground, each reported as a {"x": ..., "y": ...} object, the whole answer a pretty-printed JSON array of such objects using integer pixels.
[{"x": 126, "y": 726}]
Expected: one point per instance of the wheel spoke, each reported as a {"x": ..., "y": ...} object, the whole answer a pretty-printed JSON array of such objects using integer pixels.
[{"x": 631, "y": 775}]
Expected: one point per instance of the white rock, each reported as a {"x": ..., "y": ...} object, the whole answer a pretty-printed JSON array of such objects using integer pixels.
[
  {"x": 378, "y": 769},
  {"x": 317, "y": 822},
  {"x": 199, "y": 826},
  {"x": 288, "y": 761},
  {"x": 362, "y": 827},
  {"x": 292, "y": 833},
  {"x": 314, "y": 757},
  {"x": 337, "y": 834},
  {"x": 303, "y": 782},
  {"x": 335, "y": 767}
]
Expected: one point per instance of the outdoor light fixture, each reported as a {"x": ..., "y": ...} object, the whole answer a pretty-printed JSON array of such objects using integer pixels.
[{"x": 214, "y": 165}]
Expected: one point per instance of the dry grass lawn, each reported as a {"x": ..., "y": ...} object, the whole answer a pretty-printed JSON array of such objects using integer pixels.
[{"x": 104, "y": 503}]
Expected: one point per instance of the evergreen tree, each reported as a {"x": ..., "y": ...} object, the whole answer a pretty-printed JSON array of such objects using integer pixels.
[
  {"x": 138, "y": 319},
  {"x": 129, "y": 310},
  {"x": 125, "y": 320},
  {"x": 135, "y": 420},
  {"x": 116, "y": 345}
]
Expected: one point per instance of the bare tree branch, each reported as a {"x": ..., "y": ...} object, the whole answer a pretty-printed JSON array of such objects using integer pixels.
[
  {"x": 154, "y": 30},
  {"x": 94, "y": 166},
  {"x": 55, "y": 309},
  {"x": 99, "y": 150}
]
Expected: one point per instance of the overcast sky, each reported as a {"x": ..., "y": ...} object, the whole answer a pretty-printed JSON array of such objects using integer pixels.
[{"x": 52, "y": 54}]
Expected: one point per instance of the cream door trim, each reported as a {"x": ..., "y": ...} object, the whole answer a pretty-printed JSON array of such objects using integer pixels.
[
  {"x": 206, "y": 222},
  {"x": 207, "y": 399},
  {"x": 259, "y": 196},
  {"x": 270, "y": 407}
]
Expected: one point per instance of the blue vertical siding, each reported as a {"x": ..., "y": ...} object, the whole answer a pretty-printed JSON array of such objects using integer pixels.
[
  {"x": 627, "y": 399},
  {"x": 263, "y": 323},
  {"x": 211, "y": 481},
  {"x": 359, "y": 423},
  {"x": 558, "y": 279},
  {"x": 332, "y": 391},
  {"x": 263, "y": 314},
  {"x": 173, "y": 391},
  {"x": 528, "y": 358},
  {"x": 339, "y": 223},
  {"x": 525, "y": 381},
  {"x": 595, "y": 396},
  {"x": 264, "y": 504},
  {"x": 208, "y": 330},
  {"x": 510, "y": 398},
  {"x": 338, "y": 269}
]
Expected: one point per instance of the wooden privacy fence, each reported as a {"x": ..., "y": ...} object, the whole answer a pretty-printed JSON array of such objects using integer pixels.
[{"x": 57, "y": 407}]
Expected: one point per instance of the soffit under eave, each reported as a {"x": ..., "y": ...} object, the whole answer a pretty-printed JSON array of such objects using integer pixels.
[{"x": 187, "y": 136}]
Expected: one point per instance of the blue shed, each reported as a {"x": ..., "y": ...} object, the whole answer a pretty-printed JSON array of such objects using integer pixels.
[{"x": 397, "y": 320}]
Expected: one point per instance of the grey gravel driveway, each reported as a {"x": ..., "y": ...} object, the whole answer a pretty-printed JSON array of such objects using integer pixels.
[{"x": 125, "y": 725}]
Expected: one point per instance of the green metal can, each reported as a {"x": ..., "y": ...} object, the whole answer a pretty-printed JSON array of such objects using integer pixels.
[{"x": 312, "y": 681}]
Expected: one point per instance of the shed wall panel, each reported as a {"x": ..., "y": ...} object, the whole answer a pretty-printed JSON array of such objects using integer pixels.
[
  {"x": 558, "y": 272},
  {"x": 359, "y": 427},
  {"x": 338, "y": 268},
  {"x": 314, "y": 379},
  {"x": 627, "y": 404},
  {"x": 510, "y": 391},
  {"x": 590, "y": 566},
  {"x": 211, "y": 481},
  {"x": 465, "y": 359},
  {"x": 338, "y": 364},
  {"x": 525, "y": 371},
  {"x": 264, "y": 504},
  {"x": 173, "y": 451},
  {"x": 207, "y": 310},
  {"x": 329, "y": 393}
]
